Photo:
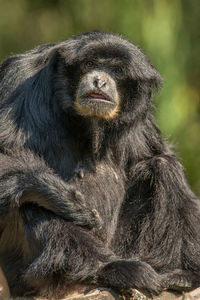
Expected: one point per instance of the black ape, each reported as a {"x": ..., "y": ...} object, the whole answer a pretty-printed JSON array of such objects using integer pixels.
[{"x": 89, "y": 191}]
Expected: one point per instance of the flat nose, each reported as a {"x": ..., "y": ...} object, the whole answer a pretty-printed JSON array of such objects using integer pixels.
[{"x": 99, "y": 82}]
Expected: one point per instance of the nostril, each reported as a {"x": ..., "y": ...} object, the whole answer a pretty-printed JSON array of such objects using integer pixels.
[{"x": 96, "y": 83}]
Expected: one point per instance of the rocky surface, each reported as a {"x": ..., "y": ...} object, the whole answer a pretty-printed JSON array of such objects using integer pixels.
[{"x": 107, "y": 294}]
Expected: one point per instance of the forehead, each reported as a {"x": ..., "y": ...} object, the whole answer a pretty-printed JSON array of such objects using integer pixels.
[{"x": 103, "y": 50}]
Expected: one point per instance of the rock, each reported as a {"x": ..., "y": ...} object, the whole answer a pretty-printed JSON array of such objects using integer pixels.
[
  {"x": 108, "y": 294},
  {"x": 105, "y": 294}
]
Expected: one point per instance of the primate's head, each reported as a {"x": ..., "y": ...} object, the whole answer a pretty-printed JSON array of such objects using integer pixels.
[
  {"x": 95, "y": 75},
  {"x": 104, "y": 76},
  {"x": 97, "y": 94}
]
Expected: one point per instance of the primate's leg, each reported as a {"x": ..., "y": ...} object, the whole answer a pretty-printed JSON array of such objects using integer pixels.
[
  {"x": 61, "y": 254},
  {"x": 160, "y": 222}
]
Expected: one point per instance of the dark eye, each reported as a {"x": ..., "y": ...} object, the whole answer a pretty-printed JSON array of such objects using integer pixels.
[
  {"x": 89, "y": 64},
  {"x": 118, "y": 70}
]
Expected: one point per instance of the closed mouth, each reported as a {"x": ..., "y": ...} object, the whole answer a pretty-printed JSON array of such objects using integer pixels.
[{"x": 97, "y": 97}]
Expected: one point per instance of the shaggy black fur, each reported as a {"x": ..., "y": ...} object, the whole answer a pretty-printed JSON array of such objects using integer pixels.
[{"x": 90, "y": 200}]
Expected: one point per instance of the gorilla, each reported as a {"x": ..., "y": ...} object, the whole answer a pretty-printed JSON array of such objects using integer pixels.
[{"x": 90, "y": 193}]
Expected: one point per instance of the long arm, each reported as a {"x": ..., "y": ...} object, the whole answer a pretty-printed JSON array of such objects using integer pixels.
[
  {"x": 28, "y": 179},
  {"x": 161, "y": 217}
]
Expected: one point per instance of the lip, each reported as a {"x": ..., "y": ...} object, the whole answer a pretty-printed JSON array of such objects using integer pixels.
[{"x": 96, "y": 97}]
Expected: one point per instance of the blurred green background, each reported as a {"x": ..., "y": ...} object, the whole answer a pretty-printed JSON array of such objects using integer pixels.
[{"x": 167, "y": 31}]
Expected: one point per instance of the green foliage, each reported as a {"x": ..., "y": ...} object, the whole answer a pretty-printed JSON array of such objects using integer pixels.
[{"x": 167, "y": 31}]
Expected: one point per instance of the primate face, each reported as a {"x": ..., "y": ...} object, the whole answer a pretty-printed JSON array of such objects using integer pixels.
[{"x": 97, "y": 93}]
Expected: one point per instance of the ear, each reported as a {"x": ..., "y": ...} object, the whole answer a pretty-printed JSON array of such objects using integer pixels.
[
  {"x": 52, "y": 61},
  {"x": 144, "y": 71},
  {"x": 64, "y": 55},
  {"x": 147, "y": 74},
  {"x": 151, "y": 76}
]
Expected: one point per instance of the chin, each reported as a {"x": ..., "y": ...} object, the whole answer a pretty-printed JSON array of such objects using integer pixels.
[{"x": 94, "y": 107}]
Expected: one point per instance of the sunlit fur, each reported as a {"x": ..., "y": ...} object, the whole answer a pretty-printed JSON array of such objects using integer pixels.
[
  {"x": 84, "y": 200},
  {"x": 87, "y": 112}
]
